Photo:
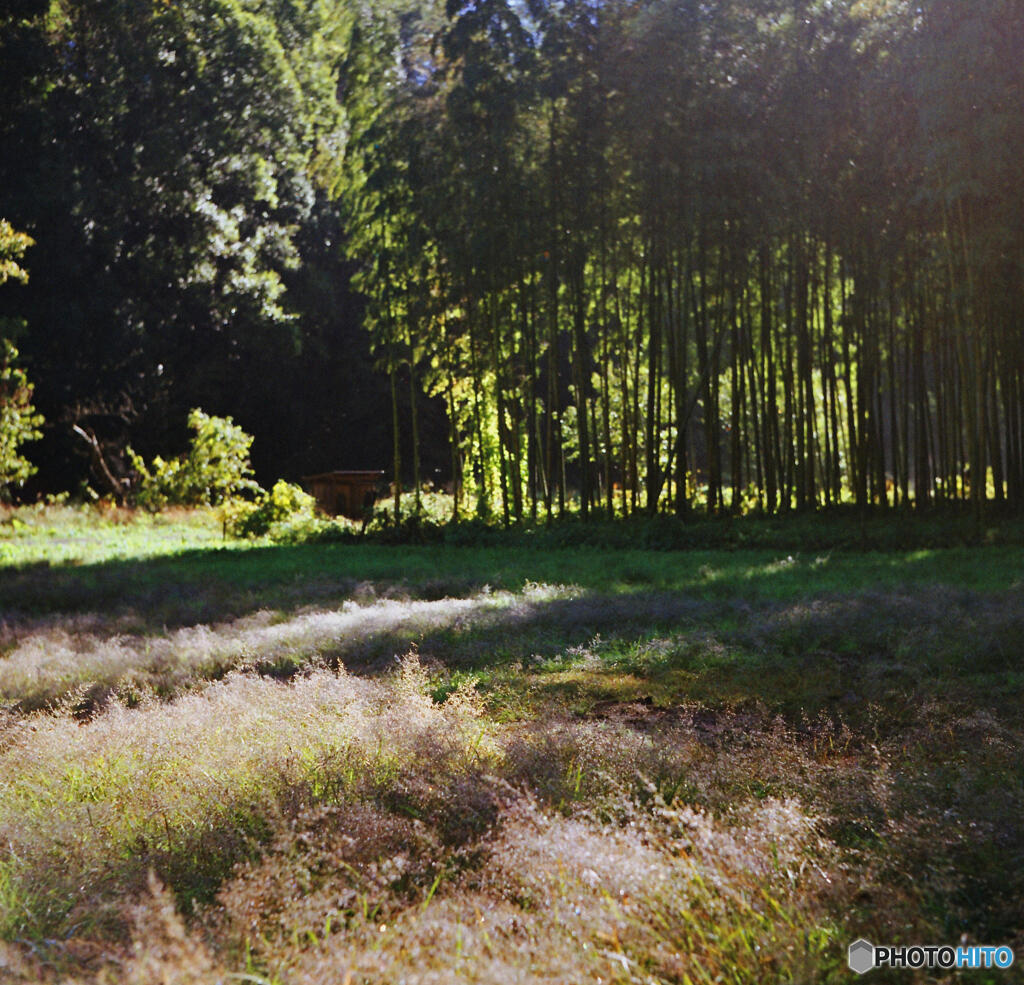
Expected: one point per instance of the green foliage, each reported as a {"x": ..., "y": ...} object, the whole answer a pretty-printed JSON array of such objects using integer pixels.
[
  {"x": 12, "y": 247},
  {"x": 285, "y": 503},
  {"x": 693, "y": 251},
  {"x": 215, "y": 469},
  {"x": 574, "y": 223},
  {"x": 845, "y": 529},
  {"x": 429, "y": 507},
  {"x": 170, "y": 156},
  {"x": 19, "y": 422}
]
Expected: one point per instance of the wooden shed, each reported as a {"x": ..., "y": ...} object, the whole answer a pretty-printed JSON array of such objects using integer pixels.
[{"x": 344, "y": 493}]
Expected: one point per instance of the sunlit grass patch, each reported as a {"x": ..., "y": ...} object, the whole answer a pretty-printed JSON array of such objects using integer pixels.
[
  {"x": 75, "y": 661},
  {"x": 174, "y": 569},
  {"x": 57, "y": 535},
  {"x": 191, "y": 787}
]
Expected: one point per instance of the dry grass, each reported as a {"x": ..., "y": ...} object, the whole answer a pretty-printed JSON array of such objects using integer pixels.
[
  {"x": 562, "y": 786},
  {"x": 335, "y": 829},
  {"x": 84, "y": 659},
  {"x": 337, "y": 826},
  {"x": 193, "y": 786},
  {"x": 566, "y": 900}
]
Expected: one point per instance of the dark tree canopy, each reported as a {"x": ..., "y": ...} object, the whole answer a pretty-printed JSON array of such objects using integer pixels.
[{"x": 613, "y": 256}]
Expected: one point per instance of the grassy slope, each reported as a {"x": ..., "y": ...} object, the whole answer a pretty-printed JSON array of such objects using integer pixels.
[{"x": 796, "y": 748}]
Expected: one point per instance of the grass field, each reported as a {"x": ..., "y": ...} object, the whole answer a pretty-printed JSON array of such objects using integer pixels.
[{"x": 345, "y": 763}]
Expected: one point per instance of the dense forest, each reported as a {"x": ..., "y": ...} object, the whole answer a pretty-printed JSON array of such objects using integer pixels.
[{"x": 597, "y": 255}]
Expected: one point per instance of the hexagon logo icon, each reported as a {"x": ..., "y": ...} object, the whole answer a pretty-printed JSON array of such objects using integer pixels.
[{"x": 861, "y": 956}]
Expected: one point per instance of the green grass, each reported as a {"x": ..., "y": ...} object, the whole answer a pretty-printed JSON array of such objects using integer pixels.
[
  {"x": 181, "y": 572},
  {"x": 687, "y": 765},
  {"x": 53, "y": 535}
]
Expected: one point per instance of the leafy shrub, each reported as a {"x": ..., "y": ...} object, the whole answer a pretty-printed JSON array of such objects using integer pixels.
[
  {"x": 419, "y": 522},
  {"x": 19, "y": 421},
  {"x": 316, "y": 529},
  {"x": 435, "y": 508},
  {"x": 215, "y": 469},
  {"x": 284, "y": 503}
]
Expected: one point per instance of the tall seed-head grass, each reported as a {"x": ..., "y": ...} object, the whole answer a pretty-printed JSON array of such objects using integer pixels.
[
  {"x": 50, "y": 662},
  {"x": 190, "y": 787},
  {"x": 672, "y": 898}
]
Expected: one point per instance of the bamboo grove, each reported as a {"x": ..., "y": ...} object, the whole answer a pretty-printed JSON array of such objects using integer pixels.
[{"x": 655, "y": 254}]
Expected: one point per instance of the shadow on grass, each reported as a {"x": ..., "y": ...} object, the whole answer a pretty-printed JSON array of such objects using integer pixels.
[
  {"x": 731, "y": 630},
  {"x": 707, "y": 649},
  {"x": 212, "y": 585}
]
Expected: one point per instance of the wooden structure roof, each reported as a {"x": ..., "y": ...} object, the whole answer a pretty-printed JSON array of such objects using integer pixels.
[{"x": 345, "y": 492}]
